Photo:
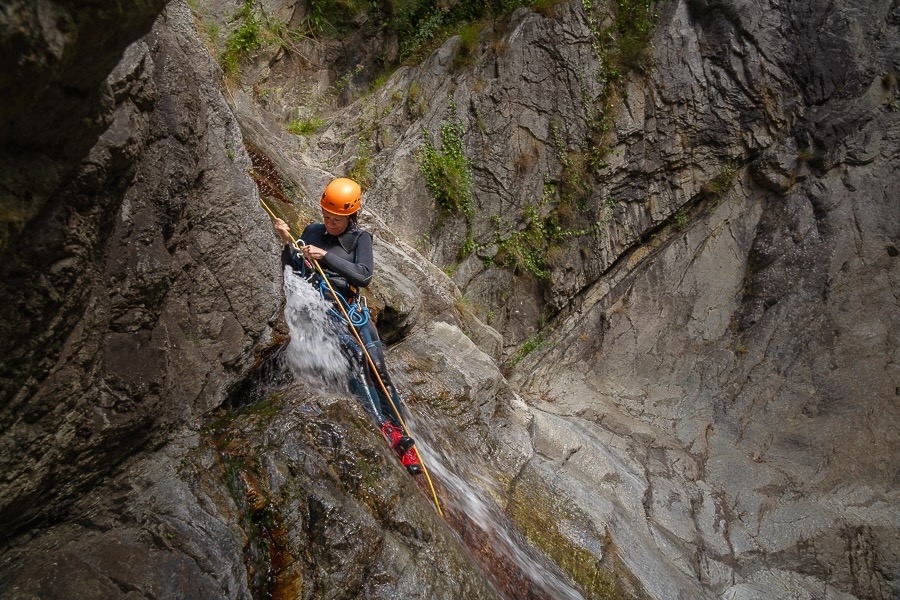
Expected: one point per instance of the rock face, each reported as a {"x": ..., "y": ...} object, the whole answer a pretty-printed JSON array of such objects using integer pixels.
[
  {"x": 733, "y": 383},
  {"x": 700, "y": 249},
  {"x": 135, "y": 298},
  {"x": 55, "y": 56}
]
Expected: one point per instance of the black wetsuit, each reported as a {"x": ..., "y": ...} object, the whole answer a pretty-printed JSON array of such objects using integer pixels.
[{"x": 348, "y": 264}]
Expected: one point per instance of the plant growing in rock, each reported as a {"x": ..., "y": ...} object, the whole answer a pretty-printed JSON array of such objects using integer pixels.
[
  {"x": 424, "y": 32},
  {"x": 448, "y": 171},
  {"x": 621, "y": 41},
  {"x": 681, "y": 218},
  {"x": 721, "y": 183},
  {"x": 526, "y": 250},
  {"x": 805, "y": 155},
  {"x": 422, "y": 25},
  {"x": 244, "y": 38},
  {"x": 361, "y": 171},
  {"x": 416, "y": 105},
  {"x": 253, "y": 29},
  {"x": 305, "y": 125},
  {"x": 465, "y": 52},
  {"x": 527, "y": 347},
  {"x": 546, "y": 8},
  {"x": 309, "y": 117},
  {"x": 335, "y": 17},
  {"x": 632, "y": 30}
]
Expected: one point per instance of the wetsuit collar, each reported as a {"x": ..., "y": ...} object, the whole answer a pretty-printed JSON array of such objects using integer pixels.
[{"x": 347, "y": 240}]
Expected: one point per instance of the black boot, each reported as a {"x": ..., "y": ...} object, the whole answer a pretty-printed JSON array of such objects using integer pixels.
[{"x": 399, "y": 443}]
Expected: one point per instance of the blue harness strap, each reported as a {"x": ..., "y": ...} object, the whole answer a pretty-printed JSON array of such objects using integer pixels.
[{"x": 359, "y": 315}]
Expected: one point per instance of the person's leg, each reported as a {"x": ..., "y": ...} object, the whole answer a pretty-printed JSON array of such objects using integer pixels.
[
  {"x": 361, "y": 384},
  {"x": 390, "y": 407}
]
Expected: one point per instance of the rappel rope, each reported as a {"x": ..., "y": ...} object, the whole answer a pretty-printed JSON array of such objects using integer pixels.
[{"x": 374, "y": 370}]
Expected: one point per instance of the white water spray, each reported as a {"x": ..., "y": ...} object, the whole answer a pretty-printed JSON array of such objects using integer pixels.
[{"x": 314, "y": 353}]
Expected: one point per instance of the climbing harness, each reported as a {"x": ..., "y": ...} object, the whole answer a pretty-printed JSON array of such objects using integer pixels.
[{"x": 346, "y": 318}]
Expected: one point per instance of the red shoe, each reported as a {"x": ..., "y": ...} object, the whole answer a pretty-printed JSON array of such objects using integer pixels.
[
  {"x": 398, "y": 442},
  {"x": 410, "y": 460}
]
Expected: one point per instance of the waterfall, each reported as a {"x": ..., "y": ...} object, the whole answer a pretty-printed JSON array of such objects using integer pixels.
[
  {"x": 313, "y": 353},
  {"x": 511, "y": 563}
]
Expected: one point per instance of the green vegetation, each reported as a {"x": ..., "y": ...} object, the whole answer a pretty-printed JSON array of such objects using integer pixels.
[
  {"x": 624, "y": 44},
  {"x": 621, "y": 32},
  {"x": 632, "y": 29},
  {"x": 465, "y": 53},
  {"x": 335, "y": 18},
  {"x": 309, "y": 116},
  {"x": 805, "y": 155},
  {"x": 621, "y": 43},
  {"x": 421, "y": 25},
  {"x": 534, "y": 248},
  {"x": 545, "y": 7},
  {"x": 711, "y": 191},
  {"x": 244, "y": 38},
  {"x": 721, "y": 183},
  {"x": 251, "y": 29},
  {"x": 527, "y": 347},
  {"x": 306, "y": 125},
  {"x": 525, "y": 250},
  {"x": 575, "y": 178},
  {"x": 415, "y": 101},
  {"x": 448, "y": 171},
  {"x": 361, "y": 171},
  {"x": 424, "y": 32},
  {"x": 621, "y": 46},
  {"x": 681, "y": 218}
]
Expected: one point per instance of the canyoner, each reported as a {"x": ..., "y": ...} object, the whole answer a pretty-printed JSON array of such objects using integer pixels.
[{"x": 336, "y": 258}]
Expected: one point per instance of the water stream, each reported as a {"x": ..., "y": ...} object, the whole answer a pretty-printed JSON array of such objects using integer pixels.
[
  {"x": 313, "y": 353},
  {"x": 515, "y": 567}
]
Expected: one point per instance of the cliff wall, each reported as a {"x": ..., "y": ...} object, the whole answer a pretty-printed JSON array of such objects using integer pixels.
[{"x": 654, "y": 326}]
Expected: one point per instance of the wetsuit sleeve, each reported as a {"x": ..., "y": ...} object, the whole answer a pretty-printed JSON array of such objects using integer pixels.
[{"x": 358, "y": 273}]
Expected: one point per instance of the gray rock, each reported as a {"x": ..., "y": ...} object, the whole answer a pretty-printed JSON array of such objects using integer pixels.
[
  {"x": 136, "y": 301},
  {"x": 709, "y": 409}
]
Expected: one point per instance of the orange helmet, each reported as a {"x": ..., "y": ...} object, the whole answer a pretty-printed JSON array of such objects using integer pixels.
[{"x": 341, "y": 197}]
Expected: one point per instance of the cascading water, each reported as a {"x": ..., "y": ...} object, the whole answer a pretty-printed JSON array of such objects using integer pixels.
[
  {"x": 512, "y": 564},
  {"x": 313, "y": 353}
]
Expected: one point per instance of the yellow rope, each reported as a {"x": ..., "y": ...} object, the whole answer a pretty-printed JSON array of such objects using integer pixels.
[{"x": 374, "y": 370}]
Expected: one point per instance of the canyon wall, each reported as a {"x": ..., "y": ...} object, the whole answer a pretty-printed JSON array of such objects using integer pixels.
[{"x": 659, "y": 335}]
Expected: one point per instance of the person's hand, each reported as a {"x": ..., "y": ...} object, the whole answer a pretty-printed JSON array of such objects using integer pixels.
[
  {"x": 313, "y": 252},
  {"x": 283, "y": 231}
]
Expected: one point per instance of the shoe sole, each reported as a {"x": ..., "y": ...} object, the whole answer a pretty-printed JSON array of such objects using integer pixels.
[{"x": 404, "y": 444}]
